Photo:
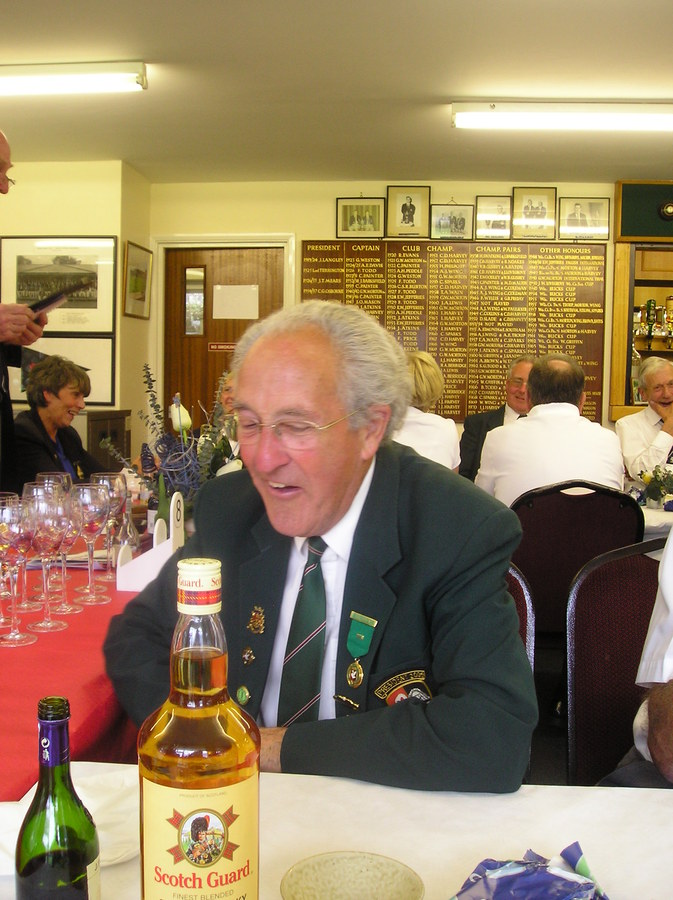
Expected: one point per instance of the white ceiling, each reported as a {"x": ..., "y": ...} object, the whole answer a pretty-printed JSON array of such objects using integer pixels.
[{"x": 348, "y": 90}]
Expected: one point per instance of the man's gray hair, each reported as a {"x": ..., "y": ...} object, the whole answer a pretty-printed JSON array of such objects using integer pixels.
[
  {"x": 649, "y": 366},
  {"x": 373, "y": 366},
  {"x": 526, "y": 358},
  {"x": 549, "y": 383}
]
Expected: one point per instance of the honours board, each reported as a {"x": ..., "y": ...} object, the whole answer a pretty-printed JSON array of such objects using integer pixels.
[{"x": 474, "y": 306}]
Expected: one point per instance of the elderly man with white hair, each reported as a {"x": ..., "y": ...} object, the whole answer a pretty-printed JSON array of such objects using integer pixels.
[{"x": 646, "y": 437}]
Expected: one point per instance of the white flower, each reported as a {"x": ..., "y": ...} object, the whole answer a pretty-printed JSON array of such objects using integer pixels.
[{"x": 180, "y": 418}]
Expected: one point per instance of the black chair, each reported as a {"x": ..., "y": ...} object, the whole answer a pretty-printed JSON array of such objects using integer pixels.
[
  {"x": 561, "y": 532},
  {"x": 609, "y": 608},
  {"x": 519, "y": 589}
]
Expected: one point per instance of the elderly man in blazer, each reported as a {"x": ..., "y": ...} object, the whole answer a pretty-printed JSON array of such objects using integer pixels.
[
  {"x": 424, "y": 681},
  {"x": 477, "y": 426}
]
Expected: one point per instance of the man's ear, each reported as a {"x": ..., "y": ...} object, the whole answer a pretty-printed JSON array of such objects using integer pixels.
[
  {"x": 582, "y": 401},
  {"x": 374, "y": 429}
]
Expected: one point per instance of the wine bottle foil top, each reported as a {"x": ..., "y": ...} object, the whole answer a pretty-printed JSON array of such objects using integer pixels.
[
  {"x": 53, "y": 709},
  {"x": 199, "y": 584}
]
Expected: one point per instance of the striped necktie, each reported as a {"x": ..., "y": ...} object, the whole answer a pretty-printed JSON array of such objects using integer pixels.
[{"x": 302, "y": 667}]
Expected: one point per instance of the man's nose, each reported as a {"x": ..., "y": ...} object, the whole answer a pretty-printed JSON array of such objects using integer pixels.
[{"x": 267, "y": 453}]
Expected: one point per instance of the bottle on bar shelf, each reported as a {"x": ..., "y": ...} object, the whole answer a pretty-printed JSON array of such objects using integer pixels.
[
  {"x": 198, "y": 757},
  {"x": 57, "y": 853}
]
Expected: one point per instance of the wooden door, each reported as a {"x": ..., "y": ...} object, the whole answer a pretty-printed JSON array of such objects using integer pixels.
[{"x": 197, "y": 350}]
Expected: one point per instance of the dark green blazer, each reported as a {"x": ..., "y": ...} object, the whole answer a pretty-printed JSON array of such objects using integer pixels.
[{"x": 428, "y": 563}]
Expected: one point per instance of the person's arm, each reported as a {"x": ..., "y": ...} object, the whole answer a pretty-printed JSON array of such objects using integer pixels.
[
  {"x": 487, "y": 472},
  {"x": 19, "y": 325},
  {"x": 660, "y": 729},
  {"x": 31, "y": 453},
  {"x": 469, "y": 449}
]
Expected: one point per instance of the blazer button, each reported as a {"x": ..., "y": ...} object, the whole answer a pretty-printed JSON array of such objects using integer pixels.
[{"x": 242, "y": 695}]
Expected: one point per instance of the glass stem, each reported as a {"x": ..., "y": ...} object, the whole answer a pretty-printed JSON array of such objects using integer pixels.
[
  {"x": 13, "y": 579},
  {"x": 89, "y": 560},
  {"x": 46, "y": 565}
]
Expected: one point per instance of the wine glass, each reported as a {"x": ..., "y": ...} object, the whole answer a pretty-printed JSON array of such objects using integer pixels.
[
  {"x": 115, "y": 482},
  {"x": 16, "y": 522},
  {"x": 5, "y": 621},
  {"x": 51, "y": 513},
  {"x": 33, "y": 490},
  {"x": 72, "y": 532},
  {"x": 94, "y": 502},
  {"x": 64, "y": 481}
]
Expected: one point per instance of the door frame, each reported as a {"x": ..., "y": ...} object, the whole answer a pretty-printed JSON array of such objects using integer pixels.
[{"x": 160, "y": 243}]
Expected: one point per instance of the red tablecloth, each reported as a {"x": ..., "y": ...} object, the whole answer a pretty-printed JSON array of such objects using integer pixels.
[{"x": 68, "y": 663}]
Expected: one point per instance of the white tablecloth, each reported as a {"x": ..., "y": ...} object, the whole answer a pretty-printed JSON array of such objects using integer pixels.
[
  {"x": 658, "y": 523},
  {"x": 626, "y": 833}
]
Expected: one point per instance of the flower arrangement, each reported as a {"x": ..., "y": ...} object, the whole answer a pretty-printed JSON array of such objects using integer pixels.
[
  {"x": 179, "y": 461},
  {"x": 659, "y": 486}
]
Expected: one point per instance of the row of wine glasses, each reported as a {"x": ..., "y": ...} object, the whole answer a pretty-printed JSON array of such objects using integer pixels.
[{"x": 49, "y": 517}]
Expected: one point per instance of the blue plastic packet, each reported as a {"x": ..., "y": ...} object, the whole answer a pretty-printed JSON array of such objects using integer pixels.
[{"x": 564, "y": 878}]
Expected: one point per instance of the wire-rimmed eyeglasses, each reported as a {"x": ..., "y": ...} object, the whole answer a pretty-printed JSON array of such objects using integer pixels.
[{"x": 293, "y": 434}]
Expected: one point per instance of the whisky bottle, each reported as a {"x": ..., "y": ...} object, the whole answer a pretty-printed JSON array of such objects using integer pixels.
[
  {"x": 57, "y": 853},
  {"x": 198, "y": 758}
]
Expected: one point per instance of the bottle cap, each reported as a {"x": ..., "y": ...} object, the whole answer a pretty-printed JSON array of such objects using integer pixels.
[
  {"x": 199, "y": 586},
  {"x": 53, "y": 709}
]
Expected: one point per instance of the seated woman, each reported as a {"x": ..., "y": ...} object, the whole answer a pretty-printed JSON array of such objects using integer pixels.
[
  {"x": 429, "y": 434},
  {"x": 45, "y": 440}
]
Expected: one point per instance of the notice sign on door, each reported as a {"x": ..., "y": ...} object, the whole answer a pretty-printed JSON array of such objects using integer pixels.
[{"x": 236, "y": 301}]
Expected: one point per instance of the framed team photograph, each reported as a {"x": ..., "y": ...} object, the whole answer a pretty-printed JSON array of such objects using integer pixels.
[
  {"x": 584, "y": 218},
  {"x": 408, "y": 211},
  {"x": 451, "y": 222},
  {"x": 494, "y": 218},
  {"x": 534, "y": 213},
  {"x": 360, "y": 216},
  {"x": 34, "y": 268}
]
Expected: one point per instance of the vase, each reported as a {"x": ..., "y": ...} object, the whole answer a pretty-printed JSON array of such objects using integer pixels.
[{"x": 653, "y": 504}]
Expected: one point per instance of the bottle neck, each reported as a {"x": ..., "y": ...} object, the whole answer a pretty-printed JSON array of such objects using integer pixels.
[
  {"x": 199, "y": 661},
  {"x": 54, "y": 751}
]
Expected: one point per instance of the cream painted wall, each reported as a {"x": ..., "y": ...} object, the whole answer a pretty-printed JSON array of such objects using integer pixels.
[{"x": 111, "y": 198}]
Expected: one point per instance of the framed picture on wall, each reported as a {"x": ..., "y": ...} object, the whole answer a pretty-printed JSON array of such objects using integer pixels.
[
  {"x": 137, "y": 281},
  {"x": 494, "y": 218},
  {"x": 93, "y": 353},
  {"x": 360, "y": 217},
  {"x": 584, "y": 218},
  {"x": 408, "y": 211},
  {"x": 534, "y": 213},
  {"x": 35, "y": 267},
  {"x": 451, "y": 222}
]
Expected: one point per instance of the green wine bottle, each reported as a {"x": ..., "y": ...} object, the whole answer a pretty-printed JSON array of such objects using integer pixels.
[{"x": 57, "y": 853}]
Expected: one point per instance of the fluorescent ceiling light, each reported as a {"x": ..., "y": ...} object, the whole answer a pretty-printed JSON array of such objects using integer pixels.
[
  {"x": 553, "y": 116},
  {"x": 72, "y": 78}
]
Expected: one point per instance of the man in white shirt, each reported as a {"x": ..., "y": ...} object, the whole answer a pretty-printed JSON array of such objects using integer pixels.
[
  {"x": 646, "y": 437},
  {"x": 553, "y": 443}
]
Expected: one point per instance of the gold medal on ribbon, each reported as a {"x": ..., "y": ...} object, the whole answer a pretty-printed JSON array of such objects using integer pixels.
[{"x": 354, "y": 674}]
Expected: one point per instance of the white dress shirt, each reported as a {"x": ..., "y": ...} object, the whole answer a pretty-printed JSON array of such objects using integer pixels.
[
  {"x": 656, "y": 661},
  {"x": 430, "y": 435},
  {"x": 552, "y": 443},
  {"x": 644, "y": 444},
  {"x": 334, "y": 565},
  {"x": 511, "y": 415}
]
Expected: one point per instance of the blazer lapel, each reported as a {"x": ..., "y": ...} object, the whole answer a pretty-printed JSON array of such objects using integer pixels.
[{"x": 375, "y": 551}]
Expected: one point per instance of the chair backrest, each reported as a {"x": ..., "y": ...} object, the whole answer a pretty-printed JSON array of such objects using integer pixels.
[
  {"x": 561, "y": 532},
  {"x": 519, "y": 589},
  {"x": 609, "y": 609}
]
